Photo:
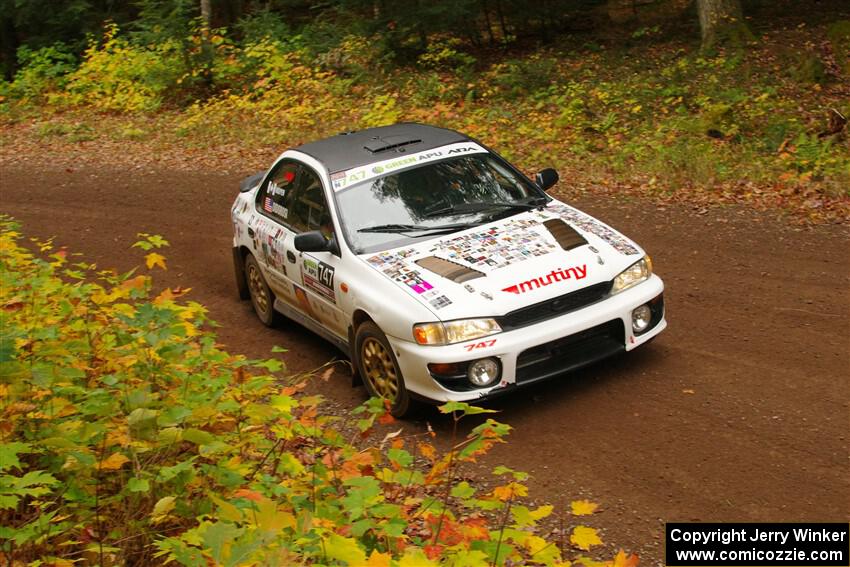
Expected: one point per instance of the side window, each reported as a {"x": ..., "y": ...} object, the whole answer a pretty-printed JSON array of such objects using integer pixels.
[
  {"x": 275, "y": 197},
  {"x": 294, "y": 197},
  {"x": 309, "y": 210}
]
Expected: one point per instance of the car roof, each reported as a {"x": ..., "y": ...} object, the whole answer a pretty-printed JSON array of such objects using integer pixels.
[{"x": 362, "y": 147}]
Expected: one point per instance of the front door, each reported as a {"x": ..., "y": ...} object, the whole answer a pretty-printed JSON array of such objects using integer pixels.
[{"x": 291, "y": 202}]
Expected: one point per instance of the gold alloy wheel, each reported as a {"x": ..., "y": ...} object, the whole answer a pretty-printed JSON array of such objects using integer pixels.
[
  {"x": 258, "y": 288},
  {"x": 380, "y": 368}
]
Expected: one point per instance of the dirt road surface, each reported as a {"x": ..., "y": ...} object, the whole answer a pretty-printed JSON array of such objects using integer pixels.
[{"x": 738, "y": 412}]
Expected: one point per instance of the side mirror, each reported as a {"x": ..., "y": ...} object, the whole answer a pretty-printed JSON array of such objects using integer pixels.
[
  {"x": 314, "y": 241},
  {"x": 546, "y": 178}
]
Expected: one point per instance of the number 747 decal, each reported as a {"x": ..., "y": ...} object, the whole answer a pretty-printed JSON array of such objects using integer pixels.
[{"x": 482, "y": 344}]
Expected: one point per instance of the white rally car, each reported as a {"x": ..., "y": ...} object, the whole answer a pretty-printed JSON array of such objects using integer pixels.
[{"x": 440, "y": 269}]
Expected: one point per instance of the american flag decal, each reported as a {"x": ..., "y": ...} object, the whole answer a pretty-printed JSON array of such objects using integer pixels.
[{"x": 267, "y": 204}]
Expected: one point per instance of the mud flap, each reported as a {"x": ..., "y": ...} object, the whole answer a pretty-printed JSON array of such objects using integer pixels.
[
  {"x": 239, "y": 271},
  {"x": 356, "y": 379}
]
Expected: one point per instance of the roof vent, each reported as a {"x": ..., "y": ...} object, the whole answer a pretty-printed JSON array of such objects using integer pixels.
[{"x": 390, "y": 143}]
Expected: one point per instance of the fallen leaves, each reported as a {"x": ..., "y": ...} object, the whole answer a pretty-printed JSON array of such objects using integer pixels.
[
  {"x": 583, "y": 507},
  {"x": 154, "y": 259},
  {"x": 584, "y": 537}
]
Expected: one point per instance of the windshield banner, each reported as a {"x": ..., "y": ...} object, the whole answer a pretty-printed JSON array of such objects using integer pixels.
[{"x": 343, "y": 179}]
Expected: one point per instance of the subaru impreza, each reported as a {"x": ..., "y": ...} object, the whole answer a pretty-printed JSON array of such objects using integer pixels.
[{"x": 440, "y": 269}]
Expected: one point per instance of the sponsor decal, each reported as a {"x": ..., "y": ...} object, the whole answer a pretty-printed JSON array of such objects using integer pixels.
[
  {"x": 393, "y": 265},
  {"x": 496, "y": 247},
  {"x": 440, "y": 301},
  {"x": 271, "y": 207},
  {"x": 319, "y": 277},
  {"x": 558, "y": 275},
  {"x": 482, "y": 344},
  {"x": 338, "y": 180},
  {"x": 415, "y": 282},
  {"x": 275, "y": 190},
  {"x": 341, "y": 180},
  {"x": 304, "y": 302}
]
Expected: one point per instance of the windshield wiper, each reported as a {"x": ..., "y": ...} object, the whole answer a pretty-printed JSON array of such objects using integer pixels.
[
  {"x": 478, "y": 206},
  {"x": 417, "y": 227}
]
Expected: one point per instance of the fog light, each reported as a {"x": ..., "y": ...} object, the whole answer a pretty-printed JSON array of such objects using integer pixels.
[
  {"x": 641, "y": 318},
  {"x": 445, "y": 368},
  {"x": 483, "y": 372}
]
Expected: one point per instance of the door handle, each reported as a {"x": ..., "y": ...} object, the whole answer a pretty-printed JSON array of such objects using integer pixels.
[
  {"x": 290, "y": 256},
  {"x": 251, "y": 232}
]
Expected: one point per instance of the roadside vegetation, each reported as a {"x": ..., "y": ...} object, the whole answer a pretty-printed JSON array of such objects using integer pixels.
[
  {"x": 641, "y": 109},
  {"x": 129, "y": 437}
]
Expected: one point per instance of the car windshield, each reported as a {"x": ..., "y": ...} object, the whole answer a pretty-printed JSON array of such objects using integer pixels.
[{"x": 432, "y": 199}]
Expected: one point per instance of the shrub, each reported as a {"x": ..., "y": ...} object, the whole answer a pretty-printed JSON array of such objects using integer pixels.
[
  {"x": 118, "y": 75},
  {"x": 42, "y": 70},
  {"x": 129, "y": 437},
  {"x": 839, "y": 37},
  {"x": 518, "y": 77}
]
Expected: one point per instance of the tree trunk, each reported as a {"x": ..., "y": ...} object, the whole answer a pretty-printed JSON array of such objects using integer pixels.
[
  {"x": 721, "y": 21},
  {"x": 8, "y": 45},
  {"x": 206, "y": 43},
  {"x": 206, "y": 12}
]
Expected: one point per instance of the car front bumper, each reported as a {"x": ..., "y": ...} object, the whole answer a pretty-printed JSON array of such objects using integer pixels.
[{"x": 540, "y": 351}]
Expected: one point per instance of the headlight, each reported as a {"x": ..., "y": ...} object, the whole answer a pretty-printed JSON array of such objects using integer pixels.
[
  {"x": 633, "y": 275},
  {"x": 454, "y": 331}
]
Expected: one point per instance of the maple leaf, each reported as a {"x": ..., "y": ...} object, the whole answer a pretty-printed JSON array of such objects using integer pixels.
[
  {"x": 584, "y": 537},
  {"x": 583, "y": 507},
  {"x": 622, "y": 560},
  {"x": 433, "y": 551},
  {"x": 154, "y": 259},
  {"x": 248, "y": 494},
  {"x": 378, "y": 559},
  {"x": 510, "y": 490},
  {"x": 114, "y": 462},
  {"x": 162, "y": 507},
  {"x": 428, "y": 451},
  {"x": 134, "y": 283},
  {"x": 344, "y": 549}
]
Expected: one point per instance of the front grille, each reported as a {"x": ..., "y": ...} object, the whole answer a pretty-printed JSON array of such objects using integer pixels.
[
  {"x": 554, "y": 307},
  {"x": 570, "y": 353}
]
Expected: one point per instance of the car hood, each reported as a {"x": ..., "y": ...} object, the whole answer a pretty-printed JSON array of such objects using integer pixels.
[{"x": 496, "y": 268}]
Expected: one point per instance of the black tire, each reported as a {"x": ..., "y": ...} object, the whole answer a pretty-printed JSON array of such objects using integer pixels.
[
  {"x": 262, "y": 297},
  {"x": 379, "y": 369}
]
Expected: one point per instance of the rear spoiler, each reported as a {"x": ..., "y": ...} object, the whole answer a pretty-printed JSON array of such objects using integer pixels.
[{"x": 250, "y": 182}]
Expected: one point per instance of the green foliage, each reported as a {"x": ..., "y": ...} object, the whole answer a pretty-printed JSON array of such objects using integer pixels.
[
  {"x": 41, "y": 71},
  {"x": 446, "y": 54},
  {"x": 118, "y": 75},
  {"x": 839, "y": 38},
  {"x": 129, "y": 437},
  {"x": 519, "y": 77}
]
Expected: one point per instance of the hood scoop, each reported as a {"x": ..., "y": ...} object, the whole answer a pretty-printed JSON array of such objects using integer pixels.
[
  {"x": 448, "y": 269},
  {"x": 566, "y": 235}
]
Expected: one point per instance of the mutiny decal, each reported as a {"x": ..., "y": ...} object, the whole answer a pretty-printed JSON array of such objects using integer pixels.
[{"x": 558, "y": 275}]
